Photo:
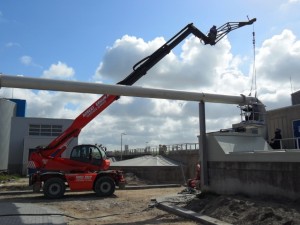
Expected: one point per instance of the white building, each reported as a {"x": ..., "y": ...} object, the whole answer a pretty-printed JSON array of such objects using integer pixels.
[{"x": 20, "y": 136}]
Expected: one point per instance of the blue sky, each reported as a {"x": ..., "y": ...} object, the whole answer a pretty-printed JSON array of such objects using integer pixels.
[
  {"x": 78, "y": 32},
  {"x": 100, "y": 41}
]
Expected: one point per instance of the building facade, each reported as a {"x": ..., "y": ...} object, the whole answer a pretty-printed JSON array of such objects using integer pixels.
[
  {"x": 286, "y": 119},
  {"x": 20, "y": 135},
  {"x": 29, "y": 133}
]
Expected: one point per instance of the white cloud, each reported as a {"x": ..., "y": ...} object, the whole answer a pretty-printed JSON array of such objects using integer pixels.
[
  {"x": 26, "y": 60},
  {"x": 278, "y": 58},
  {"x": 120, "y": 58},
  {"x": 162, "y": 107},
  {"x": 289, "y": 4},
  {"x": 2, "y": 19},
  {"x": 201, "y": 68},
  {"x": 59, "y": 71},
  {"x": 12, "y": 44},
  {"x": 196, "y": 66},
  {"x": 277, "y": 64},
  {"x": 211, "y": 69}
]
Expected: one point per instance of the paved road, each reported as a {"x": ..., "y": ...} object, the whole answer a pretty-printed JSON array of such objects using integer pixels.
[{"x": 26, "y": 213}]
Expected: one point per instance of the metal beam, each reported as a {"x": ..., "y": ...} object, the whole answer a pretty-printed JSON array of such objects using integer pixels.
[{"x": 119, "y": 90}]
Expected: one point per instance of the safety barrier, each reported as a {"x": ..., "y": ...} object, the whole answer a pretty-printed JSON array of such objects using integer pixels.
[
  {"x": 155, "y": 150},
  {"x": 289, "y": 143}
]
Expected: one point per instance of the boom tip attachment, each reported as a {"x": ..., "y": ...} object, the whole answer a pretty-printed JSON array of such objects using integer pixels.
[{"x": 252, "y": 21}]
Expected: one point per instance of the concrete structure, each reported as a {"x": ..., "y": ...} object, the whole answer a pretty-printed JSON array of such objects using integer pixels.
[
  {"x": 245, "y": 163},
  {"x": 296, "y": 98},
  {"x": 288, "y": 120},
  {"x": 154, "y": 169},
  {"x": 7, "y": 111},
  {"x": 20, "y": 107},
  {"x": 187, "y": 159}
]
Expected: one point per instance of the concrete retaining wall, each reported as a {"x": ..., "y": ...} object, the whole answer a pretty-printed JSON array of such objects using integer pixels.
[
  {"x": 155, "y": 175},
  {"x": 245, "y": 164},
  {"x": 188, "y": 159},
  {"x": 275, "y": 179}
]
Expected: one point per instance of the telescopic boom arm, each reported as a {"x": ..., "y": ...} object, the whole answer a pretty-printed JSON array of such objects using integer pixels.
[{"x": 230, "y": 26}]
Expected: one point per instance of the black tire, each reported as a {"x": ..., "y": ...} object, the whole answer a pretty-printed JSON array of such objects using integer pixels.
[
  {"x": 54, "y": 188},
  {"x": 104, "y": 186}
]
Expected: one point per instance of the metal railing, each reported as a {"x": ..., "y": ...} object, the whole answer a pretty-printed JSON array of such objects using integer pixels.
[
  {"x": 156, "y": 150},
  {"x": 289, "y": 143},
  {"x": 285, "y": 143}
]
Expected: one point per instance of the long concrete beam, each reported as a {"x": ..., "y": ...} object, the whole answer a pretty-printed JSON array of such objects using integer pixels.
[{"x": 119, "y": 90}]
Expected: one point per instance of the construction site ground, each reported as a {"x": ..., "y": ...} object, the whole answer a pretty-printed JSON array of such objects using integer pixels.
[{"x": 135, "y": 206}]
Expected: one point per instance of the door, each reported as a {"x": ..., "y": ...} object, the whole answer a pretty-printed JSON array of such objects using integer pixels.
[
  {"x": 296, "y": 130},
  {"x": 87, "y": 154}
]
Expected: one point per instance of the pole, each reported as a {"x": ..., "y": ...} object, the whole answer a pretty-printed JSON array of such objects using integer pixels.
[
  {"x": 121, "y": 147},
  {"x": 122, "y": 144},
  {"x": 118, "y": 90},
  {"x": 202, "y": 145}
]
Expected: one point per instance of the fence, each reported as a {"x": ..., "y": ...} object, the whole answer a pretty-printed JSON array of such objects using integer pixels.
[
  {"x": 289, "y": 143},
  {"x": 155, "y": 150}
]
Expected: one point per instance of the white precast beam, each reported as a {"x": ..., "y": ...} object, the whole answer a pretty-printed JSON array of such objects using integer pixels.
[{"x": 119, "y": 90}]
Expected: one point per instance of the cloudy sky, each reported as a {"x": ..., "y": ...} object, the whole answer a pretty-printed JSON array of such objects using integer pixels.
[{"x": 100, "y": 41}]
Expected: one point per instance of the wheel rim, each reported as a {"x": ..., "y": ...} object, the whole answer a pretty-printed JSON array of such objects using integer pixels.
[
  {"x": 105, "y": 187},
  {"x": 54, "y": 189}
]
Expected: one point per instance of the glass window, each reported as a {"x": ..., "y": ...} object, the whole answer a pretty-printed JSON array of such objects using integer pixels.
[
  {"x": 103, "y": 154},
  {"x": 44, "y": 130},
  {"x": 75, "y": 153},
  {"x": 96, "y": 153}
]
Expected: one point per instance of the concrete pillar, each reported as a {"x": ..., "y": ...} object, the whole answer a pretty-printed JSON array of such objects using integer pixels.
[
  {"x": 7, "y": 111},
  {"x": 202, "y": 145}
]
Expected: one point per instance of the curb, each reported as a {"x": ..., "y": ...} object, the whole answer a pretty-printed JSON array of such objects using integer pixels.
[
  {"x": 163, "y": 204},
  {"x": 15, "y": 192},
  {"x": 129, "y": 187},
  {"x": 190, "y": 214}
]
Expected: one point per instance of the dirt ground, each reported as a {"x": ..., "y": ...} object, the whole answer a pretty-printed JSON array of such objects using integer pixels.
[
  {"x": 132, "y": 207},
  {"x": 124, "y": 207},
  {"x": 247, "y": 211}
]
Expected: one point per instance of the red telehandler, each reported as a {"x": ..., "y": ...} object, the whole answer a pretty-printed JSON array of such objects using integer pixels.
[{"x": 88, "y": 167}]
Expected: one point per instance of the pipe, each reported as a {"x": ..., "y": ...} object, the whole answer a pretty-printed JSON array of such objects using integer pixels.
[{"x": 119, "y": 90}]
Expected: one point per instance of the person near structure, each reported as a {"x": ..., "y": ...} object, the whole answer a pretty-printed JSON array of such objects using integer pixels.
[
  {"x": 275, "y": 141},
  {"x": 196, "y": 182},
  {"x": 213, "y": 34}
]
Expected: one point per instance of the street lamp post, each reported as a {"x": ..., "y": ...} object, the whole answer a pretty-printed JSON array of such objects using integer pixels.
[{"x": 122, "y": 143}]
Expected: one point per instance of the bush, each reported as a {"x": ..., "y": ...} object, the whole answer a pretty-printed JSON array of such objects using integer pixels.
[{"x": 5, "y": 177}]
